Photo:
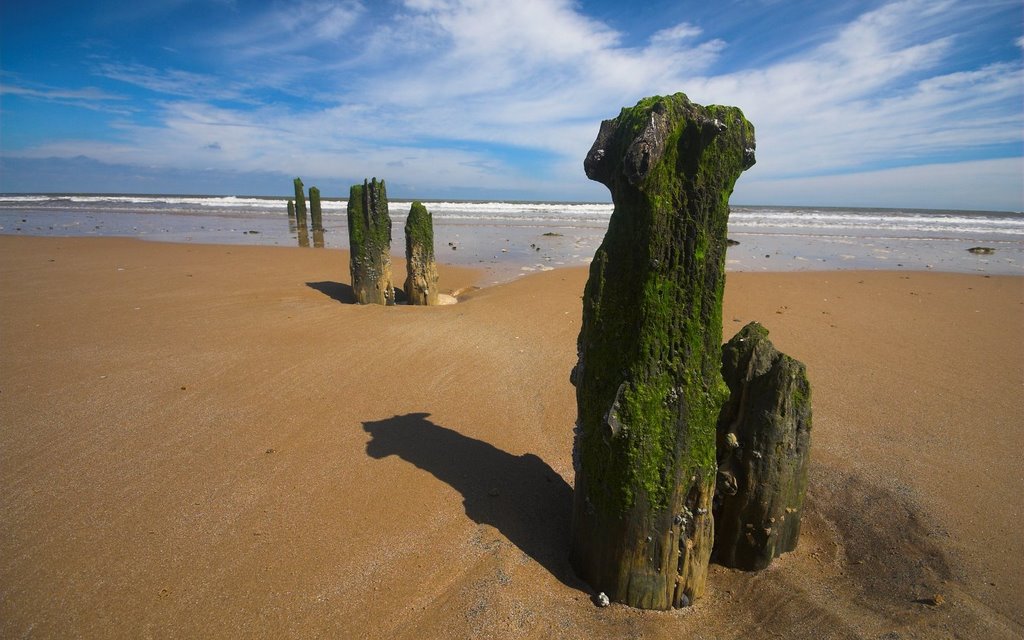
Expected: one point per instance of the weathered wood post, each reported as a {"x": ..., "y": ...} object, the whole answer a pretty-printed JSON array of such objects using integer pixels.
[
  {"x": 764, "y": 440},
  {"x": 315, "y": 214},
  {"x": 292, "y": 226},
  {"x": 648, "y": 381},
  {"x": 369, "y": 237},
  {"x": 300, "y": 203},
  {"x": 300, "y": 214},
  {"x": 421, "y": 270}
]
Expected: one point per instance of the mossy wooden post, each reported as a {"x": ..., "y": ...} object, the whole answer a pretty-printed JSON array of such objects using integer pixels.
[
  {"x": 421, "y": 270},
  {"x": 316, "y": 216},
  {"x": 300, "y": 203},
  {"x": 648, "y": 381},
  {"x": 291, "y": 209},
  {"x": 369, "y": 237},
  {"x": 764, "y": 439}
]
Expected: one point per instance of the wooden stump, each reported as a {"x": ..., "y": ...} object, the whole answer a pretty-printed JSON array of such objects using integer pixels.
[
  {"x": 369, "y": 236},
  {"x": 421, "y": 270},
  {"x": 316, "y": 216},
  {"x": 300, "y": 203},
  {"x": 648, "y": 381},
  {"x": 764, "y": 439}
]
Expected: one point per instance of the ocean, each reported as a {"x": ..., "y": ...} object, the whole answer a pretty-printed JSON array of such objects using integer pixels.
[{"x": 507, "y": 239}]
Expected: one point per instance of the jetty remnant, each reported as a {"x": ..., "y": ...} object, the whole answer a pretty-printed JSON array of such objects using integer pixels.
[
  {"x": 291, "y": 209},
  {"x": 316, "y": 216},
  {"x": 369, "y": 237},
  {"x": 764, "y": 438},
  {"x": 421, "y": 279},
  {"x": 648, "y": 380},
  {"x": 300, "y": 203}
]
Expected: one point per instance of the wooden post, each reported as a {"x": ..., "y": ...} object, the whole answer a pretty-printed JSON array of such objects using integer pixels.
[
  {"x": 300, "y": 203},
  {"x": 764, "y": 442},
  {"x": 369, "y": 237},
  {"x": 315, "y": 215},
  {"x": 421, "y": 270},
  {"x": 648, "y": 381}
]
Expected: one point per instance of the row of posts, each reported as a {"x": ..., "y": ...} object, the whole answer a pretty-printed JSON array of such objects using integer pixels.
[
  {"x": 297, "y": 216},
  {"x": 369, "y": 234}
]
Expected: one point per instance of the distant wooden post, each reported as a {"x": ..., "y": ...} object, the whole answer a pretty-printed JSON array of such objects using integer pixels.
[
  {"x": 300, "y": 203},
  {"x": 369, "y": 238},
  {"x": 291, "y": 209},
  {"x": 648, "y": 381},
  {"x": 315, "y": 215}
]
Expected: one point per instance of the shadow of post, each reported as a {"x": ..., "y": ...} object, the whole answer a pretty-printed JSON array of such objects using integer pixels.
[
  {"x": 520, "y": 496},
  {"x": 343, "y": 293}
]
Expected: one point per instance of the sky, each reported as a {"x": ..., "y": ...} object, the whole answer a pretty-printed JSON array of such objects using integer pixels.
[{"x": 885, "y": 103}]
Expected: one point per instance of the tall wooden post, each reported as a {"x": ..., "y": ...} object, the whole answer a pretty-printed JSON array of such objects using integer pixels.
[
  {"x": 315, "y": 214},
  {"x": 648, "y": 381},
  {"x": 300, "y": 203},
  {"x": 369, "y": 237},
  {"x": 421, "y": 270}
]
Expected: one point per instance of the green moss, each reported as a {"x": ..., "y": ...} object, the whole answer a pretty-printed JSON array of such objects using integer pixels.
[
  {"x": 315, "y": 213},
  {"x": 369, "y": 233},
  {"x": 652, "y": 308},
  {"x": 419, "y": 228},
  {"x": 300, "y": 201},
  {"x": 369, "y": 222},
  {"x": 355, "y": 215},
  {"x": 801, "y": 388}
]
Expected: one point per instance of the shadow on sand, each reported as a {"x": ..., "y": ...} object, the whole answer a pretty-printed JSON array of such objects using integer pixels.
[
  {"x": 520, "y": 496},
  {"x": 344, "y": 293}
]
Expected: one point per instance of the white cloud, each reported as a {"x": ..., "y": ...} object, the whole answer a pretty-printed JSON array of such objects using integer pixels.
[
  {"x": 290, "y": 27},
  {"x": 682, "y": 31},
  {"x": 844, "y": 107},
  {"x": 90, "y": 94},
  {"x": 91, "y": 98},
  {"x": 996, "y": 185},
  {"x": 540, "y": 76},
  {"x": 196, "y": 135},
  {"x": 174, "y": 81}
]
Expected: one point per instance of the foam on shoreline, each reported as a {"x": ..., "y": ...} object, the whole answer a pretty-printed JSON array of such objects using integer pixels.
[{"x": 507, "y": 239}]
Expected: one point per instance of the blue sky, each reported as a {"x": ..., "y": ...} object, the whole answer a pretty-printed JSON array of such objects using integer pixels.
[{"x": 905, "y": 103}]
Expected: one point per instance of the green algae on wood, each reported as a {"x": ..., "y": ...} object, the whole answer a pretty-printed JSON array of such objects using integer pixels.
[
  {"x": 291, "y": 209},
  {"x": 421, "y": 270},
  {"x": 316, "y": 216},
  {"x": 764, "y": 438},
  {"x": 648, "y": 381},
  {"x": 300, "y": 202},
  {"x": 369, "y": 237}
]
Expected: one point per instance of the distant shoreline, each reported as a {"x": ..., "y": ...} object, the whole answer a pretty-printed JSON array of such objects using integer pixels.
[
  {"x": 408, "y": 199},
  {"x": 510, "y": 238}
]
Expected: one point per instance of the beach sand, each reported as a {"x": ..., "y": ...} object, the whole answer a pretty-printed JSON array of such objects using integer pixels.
[{"x": 212, "y": 441}]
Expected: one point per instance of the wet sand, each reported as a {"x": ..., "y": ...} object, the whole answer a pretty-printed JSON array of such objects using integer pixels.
[{"x": 212, "y": 441}]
